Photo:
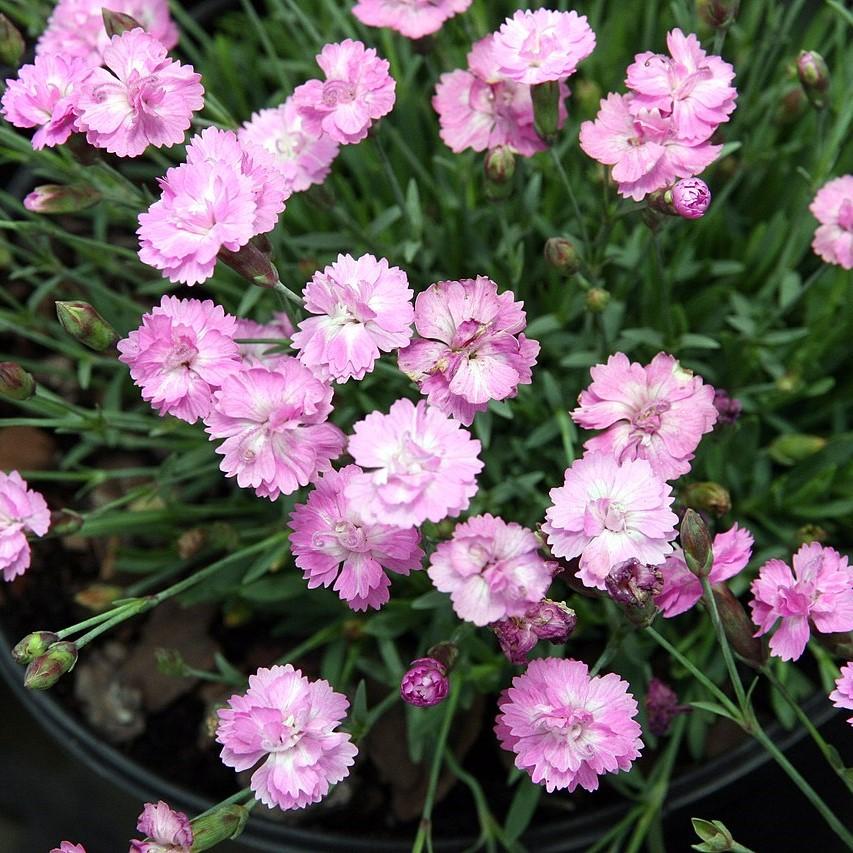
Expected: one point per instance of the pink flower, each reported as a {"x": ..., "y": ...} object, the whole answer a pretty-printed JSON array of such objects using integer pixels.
[
  {"x": 274, "y": 425},
  {"x": 168, "y": 831},
  {"x": 645, "y": 149},
  {"x": 419, "y": 464},
  {"x": 279, "y": 329},
  {"x": 332, "y": 543},
  {"x": 21, "y": 510},
  {"x": 357, "y": 91},
  {"x": 542, "y": 46},
  {"x": 607, "y": 513},
  {"x": 413, "y": 18},
  {"x": 289, "y": 722},
  {"x": 545, "y": 620},
  {"x": 303, "y": 158},
  {"x": 565, "y": 728},
  {"x": 149, "y": 99},
  {"x": 365, "y": 308},
  {"x": 820, "y": 591},
  {"x": 76, "y": 27},
  {"x": 470, "y": 350},
  {"x": 425, "y": 683},
  {"x": 682, "y": 589},
  {"x": 658, "y": 412},
  {"x": 491, "y": 568},
  {"x": 69, "y": 847},
  {"x": 691, "y": 87},
  {"x": 181, "y": 354},
  {"x": 45, "y": 96},
  {"x": 842, "y": 696},
  {"x": 833, "y": 208}
]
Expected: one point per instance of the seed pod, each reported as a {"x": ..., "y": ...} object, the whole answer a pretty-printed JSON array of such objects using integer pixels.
[{"x": 44, "y": 671}]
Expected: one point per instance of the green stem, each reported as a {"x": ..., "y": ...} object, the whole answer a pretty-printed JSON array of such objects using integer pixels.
[
  {"x": 245, "y": 794},
  {"x": 571, "y": 193},
  {"x": 664, "y": 287},
  {"x": 287, "y": 293},
  {"x": 392, "y": 176},
  {"x": 728, "y": 657}
]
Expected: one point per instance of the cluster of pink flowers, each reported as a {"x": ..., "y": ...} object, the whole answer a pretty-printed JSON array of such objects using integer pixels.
[
  {"x": 833, "y": 208},
  {"x": 165, "y": 830},
  {"x": 660, "y": 131},
  {"x": 842, "y": 696},
  {"x": 412, "y": 18},
  {"x": 22, "y": 510}
]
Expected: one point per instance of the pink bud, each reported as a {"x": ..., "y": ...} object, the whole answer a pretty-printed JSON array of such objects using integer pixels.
[
  {"x": 425, "y": 683},
  {"x": 56, "y": 198},
  {"x": 662, "y": 706},
  {"x": 691, "y": 198}
]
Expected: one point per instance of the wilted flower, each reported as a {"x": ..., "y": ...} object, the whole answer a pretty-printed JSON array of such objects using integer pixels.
[
  {"x": 167, "y": 830},
  {"x": 662, "y": 707},
  {"x": 842, "y": 696},
  {"x": 22, "y": 510},
  {"x": 412, "y": 18},
  {"x": 546, "y": 620},
  {"x": 425, "y": 683},
  {"x": 833, "y": 208},
  {"x": 728, "y": 407},
  {"x": 633, "y": 583}
]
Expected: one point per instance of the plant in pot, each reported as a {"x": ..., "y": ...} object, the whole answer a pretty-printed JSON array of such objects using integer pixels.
[{"x": 466, "y": 533}]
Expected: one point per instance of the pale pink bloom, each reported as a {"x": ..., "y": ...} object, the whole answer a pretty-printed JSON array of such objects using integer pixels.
[
  {"x": 688, "y": 85},
  {"x": 303, "y": 158},
  {"x": 332, "y": 543},
  {"x": 69, "y": 847},
  {"x": 44, "y": 95},
  {"x": 567, "y": 728},
  {"x": 658, "y": 412},
  {"x": 181, "y": 354},
  {"x": 274, "y": 424},
  {"x": 470, "y": 349},
  {"x": 833, "y": 208},
  {"x": 818, "y": 591},
  {"x": 419, "y": 465},
  {"x": 148, "y": 99},
  {"x": 288, "y": 722},
  {"x": 167, "y": 830},
  {"x": 277, "y": 332},
  {"x": 842, "y": 696},
  {"x": 412, "y": 18},
  {"x": 357, "y": 91},
  {"x": 607, "y": 513},
  {"x": 76, "y": 27},
  {"x": 365, "y": 309},
  {"x": 542, "y": 46},
  {"x": 682, "y": 589},
  {"x": 491, "y": 568},
  {"x": 645, "y": 150},
  {"x": 21, "y": 510}
]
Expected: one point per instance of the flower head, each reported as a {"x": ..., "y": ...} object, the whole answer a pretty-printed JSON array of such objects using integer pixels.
[
  {"x": 69, "y": 847},
  {"x": 606, "y": 513},
  {"x": 21, "y": 510},
  {"x": 662, "y": 707},
  {"x": 287, "y": 722},
  {"x": 357, "y": 91},
  {"x": 842, "y": 696},
  {"x": 691, "y": 198},
  {"x": 819, "y": 592},
  {"x": 658, "y": 412},
  {"x": 278, "y": 330},
  {"x": 545, "y": 620},
  {"x": 833, "y": 208},
  {"x": 412, "y": 18},
  {"x": 181, "y": 354},
  {"x": 728, "y": 407},
  {"x": 567, "y": 728},
  {"x": 425, "y": 683},
  {"x": 167, "y": 830},
  {"x": 418, "y": 465},
  {"x": 491, "y": 568},
  {"x": 333, "y": 544},
  {"x": 364, "y": 308},
  {"x": 633, "y": 584},
  {"x": 274, "y": 424}
]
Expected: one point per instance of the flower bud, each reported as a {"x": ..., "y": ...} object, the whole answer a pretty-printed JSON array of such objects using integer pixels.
[
  {"x": 814, "y": 77},
  {"x": 84, "y": 323},
  {"x": 546, "y": 109},
  {"x": 728, "y": 408},
  {"x": 738, "y": 627},
  {"x": 690, "y": 198},
  {"x": 33, "y": 646},
  {"x": 718, "y": 13},
  {"x": 791, "y": 106},
  {"x": 445, "y": 653},
  {"x": 662, "y": 707},
  {"x": 15, "y": 382},
  {"x": 794, "y": 447},
  {"x": 66, "y": 522},
  {"x": 696, "y": 543},
  {"x": 222, "y": 824},
  {"x": 252, "y": 263},
  {"x": 597, "y": 299},
  {"x": 56, "y": 198},
  {"x": 562, "y": 255},
  {"x": 707, "y": 497},
  {"x": 45, "y": 670},
  {"x": 811, "y": 533},
  {"x": 425, "y": 683},
  {"x": 169, "y": 662},
  {"x": 116, "y": 23},
  {"x": 11, "y": 43},
  {"x": 499, "y": 164}
]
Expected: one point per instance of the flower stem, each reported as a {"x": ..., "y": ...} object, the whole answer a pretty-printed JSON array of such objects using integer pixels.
[
  {"x": 287, "y": 293},
  {"x": 571, "y": 193},
  {"x": 392, "y": 176}
]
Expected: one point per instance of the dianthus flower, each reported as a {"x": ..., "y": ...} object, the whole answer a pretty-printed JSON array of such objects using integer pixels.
[
  {"x": 491, "y": 568},
  {"x": 364, "y": 307},
  {"x": 682, "y": 589},
  {"x": 148, "y": 99},
  {"x": 470, "y": 350},
  {"x": 279, "y": 329},
  {"x": 181, "y": 354},
  {"x": 303, "y": 158},
  {"x": 818, "y": 591},
  {"x": 425, "y": 683},
  {"x": 21, "y": 510},
  {"x": 606, "y": 513},
  {"x": 288, "y": 722},
  {"x": 658, "y": 412},
  {"x": 69, "y": 847},
  {"x": 167, "y": 830},
  {"x": 44, "y": 95},
  {"x": 542, "y": 46},
  {"x": 357, "y": 91},
  {"x": 567, "y": 728},
  {"x": 688, "y": 85},
  {"x": 332, "y": 543},
  {"x": 833, "y": 208},
  {"x": 274, "y": 424},
  {"x": 412, "y": 18},
  {"x": 419, "y": 465},
  {"x": 76, "y": 27},
  {"x": 842, "y": 696}
]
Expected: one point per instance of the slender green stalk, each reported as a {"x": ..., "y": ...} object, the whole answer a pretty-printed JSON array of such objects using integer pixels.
[
  {"x": 287, "y": 293},
  {"x": 571, "y": 193},
  {"x": 728, "y": 657},
  {"x": 392, "y": 176},
  {"x": 240, "y": 796}
]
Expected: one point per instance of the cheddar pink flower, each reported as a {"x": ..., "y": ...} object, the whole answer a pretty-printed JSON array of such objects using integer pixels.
[
  {"x": 842, "y": 696},
  {"x": 22, "y": 510},
  {"x": 69, "y": 847},
  {"x": 833, "y": 208},
  {"x": 412, "y": 18},
  {"x": 168, "y": 830}
]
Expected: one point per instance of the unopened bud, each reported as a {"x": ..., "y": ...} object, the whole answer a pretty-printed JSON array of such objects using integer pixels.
[
  {"x": 794, "y": 447},
  {"x": 86, "y": 325},
  {"x": 425, "y": 683},
  {"x": 445, "y": 653},
  {"x": 738, "y": 627},
  {"x": 56, "y": 198},
  {"x": 716, "y": 838},
  {"x": 116, "y": 23},
  {"x": 221, "y": 824},
  {"x": 15, "y": 382},
  {"x": 791, "y": 106},
  {"x": 562, "y": 255},
  {"x": 707, "y": 497},
  {"x": 811, "y": 533},
  {"x": 728, "y": 407},
  {"x": 662, "y": 707},
  {"x": 789, "y": 382},
  {"x": 546, "y": 109},
  {"x": 718, "y": 13},
  {"x": 597, "y": 299},
  {"x": 587, "y": 95},
  {"x": 33, "y": 645},
  {"x": 814, "y": 77},
  {"x": 252, "y": 263},
  {"x": 696, "y": 543},
  {"x": 66, "y": 522},
  {"x": 11, "y": 43},
  {"x": 44, "y": 671},
  {"x": 690, "y": 198},
  {"x": 499, "y": 164},
  {"x": 169, "y": 662}
]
